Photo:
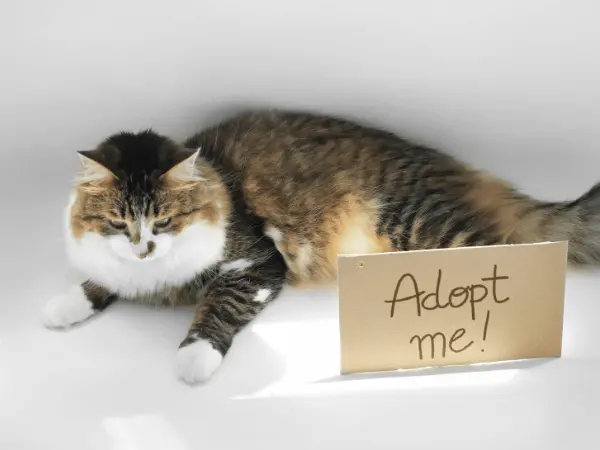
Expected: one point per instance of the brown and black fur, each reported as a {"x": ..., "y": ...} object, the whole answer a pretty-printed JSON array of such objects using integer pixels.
[
  {"x": 295, "y": 190},
  {"x": 320, "y": 180}
]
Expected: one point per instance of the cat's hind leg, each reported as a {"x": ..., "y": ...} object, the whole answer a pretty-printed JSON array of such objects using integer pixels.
[
  {"x": 312, "y": 244},
  {"x": 298, "y": 252}
]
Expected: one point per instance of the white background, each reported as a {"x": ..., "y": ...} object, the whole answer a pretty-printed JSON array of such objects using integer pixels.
[{"x": 511, "y": 86}]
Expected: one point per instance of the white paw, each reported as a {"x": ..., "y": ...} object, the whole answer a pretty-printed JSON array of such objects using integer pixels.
[
  {"x": 67, "y": 309},
  {"x": 198, "y": 361}
]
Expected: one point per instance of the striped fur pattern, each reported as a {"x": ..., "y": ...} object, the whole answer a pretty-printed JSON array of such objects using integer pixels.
[
  {"x": 326, "y": 186},
  {"x": 230, "y": 216}
]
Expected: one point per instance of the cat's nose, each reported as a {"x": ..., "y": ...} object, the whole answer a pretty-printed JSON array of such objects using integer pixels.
[{"x": 149, "y": 249}]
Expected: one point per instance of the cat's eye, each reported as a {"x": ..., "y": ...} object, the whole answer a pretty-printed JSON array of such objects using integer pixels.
[
  {"x": 163, "y": 222},
  {"x": 117, "y": 224}
]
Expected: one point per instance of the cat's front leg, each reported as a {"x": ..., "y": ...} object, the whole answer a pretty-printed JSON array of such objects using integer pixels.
[
  {"x": 79, "y": 303},
  {"x": 231, "y": 302}
]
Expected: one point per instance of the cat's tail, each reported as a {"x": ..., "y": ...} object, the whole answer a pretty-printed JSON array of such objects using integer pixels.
[
  {"x": 578, "y": 222},
  {"x": 522, "y": 219}
]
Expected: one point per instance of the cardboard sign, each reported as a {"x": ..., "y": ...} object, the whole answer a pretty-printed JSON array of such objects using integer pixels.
[{"x": 451, "y": 307}]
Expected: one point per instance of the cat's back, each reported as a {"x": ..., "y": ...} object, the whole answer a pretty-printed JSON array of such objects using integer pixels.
[
  {"x": 306, "y": 146},
  {"x": 285, "y": 156},
  {"x": 292, "y": 135}
]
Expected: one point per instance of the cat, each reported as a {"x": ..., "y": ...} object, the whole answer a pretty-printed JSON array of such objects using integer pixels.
[{"x": 265, "y": 199}]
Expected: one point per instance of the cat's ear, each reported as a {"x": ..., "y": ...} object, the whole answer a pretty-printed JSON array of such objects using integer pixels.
[
  {"x": 186, "y": 171},
  {"x": 93, "y": 172}
]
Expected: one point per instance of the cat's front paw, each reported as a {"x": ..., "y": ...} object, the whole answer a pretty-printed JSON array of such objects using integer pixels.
[
  {"x": 67, "y": 309},
  {"x": 196, "y": 362}
]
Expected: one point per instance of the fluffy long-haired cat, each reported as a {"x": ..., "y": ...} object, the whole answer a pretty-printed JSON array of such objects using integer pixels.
[{"x": 226, "y": 219}]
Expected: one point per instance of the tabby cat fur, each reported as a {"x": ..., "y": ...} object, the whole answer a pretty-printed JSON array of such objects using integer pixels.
[{"x": 265, "y": 199}]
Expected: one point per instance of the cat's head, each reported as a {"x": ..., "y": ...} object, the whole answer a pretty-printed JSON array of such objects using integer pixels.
[{"x": 141, "y": 192}]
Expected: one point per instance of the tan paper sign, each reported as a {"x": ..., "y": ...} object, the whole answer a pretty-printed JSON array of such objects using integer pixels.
[{"x": 451, "y": 307}]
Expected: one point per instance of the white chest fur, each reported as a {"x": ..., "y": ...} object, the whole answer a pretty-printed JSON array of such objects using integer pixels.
[{"x": 195, "y": 249}]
